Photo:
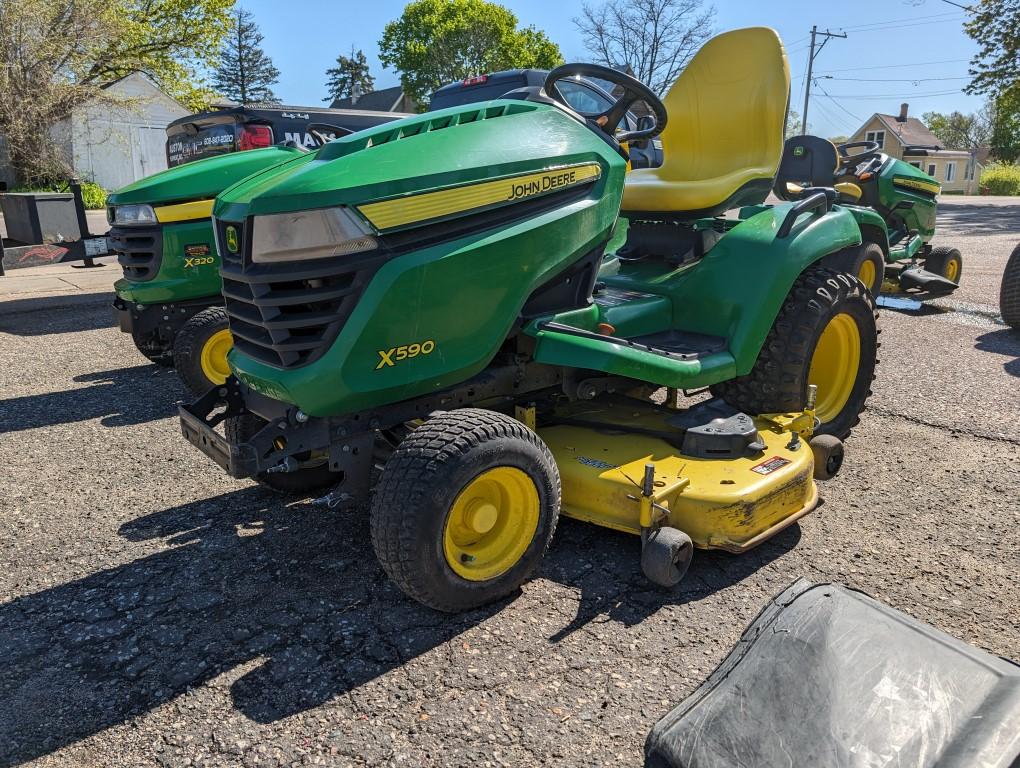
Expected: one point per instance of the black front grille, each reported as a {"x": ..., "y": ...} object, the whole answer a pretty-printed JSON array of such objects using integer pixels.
[
  {"x": 139, "y": 251},
  {"x": 287, "y": 315}
]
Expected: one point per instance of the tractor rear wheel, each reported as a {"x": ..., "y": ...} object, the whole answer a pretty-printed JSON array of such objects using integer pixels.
[
  {"x": 866, "y": 261},
  {"x": 465, "y": 509},
  {"x": 945, "y": 262},
  {"x": 1009, "y": 293},
  {"x": 826, "y": 334},
  {"x": 200, "y": 350},
  {"x": 300, "y": 482}
]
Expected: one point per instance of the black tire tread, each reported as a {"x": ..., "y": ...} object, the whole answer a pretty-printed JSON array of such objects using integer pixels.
[
  {"x": 407, "y": 479},
  {"x": 188, "y": 347},
  {"x": 1009, "y": 291},
  {"x": 774, "y": 384}
]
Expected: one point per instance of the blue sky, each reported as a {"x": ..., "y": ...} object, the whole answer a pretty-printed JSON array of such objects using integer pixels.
[{"x": 897, "y": 50}]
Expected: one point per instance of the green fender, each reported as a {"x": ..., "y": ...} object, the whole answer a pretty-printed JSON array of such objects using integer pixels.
[
  {"x": 872, "y": 226},
  {"x": 737, "y": 289}
]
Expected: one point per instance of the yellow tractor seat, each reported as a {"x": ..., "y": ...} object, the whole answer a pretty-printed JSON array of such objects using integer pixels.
[{"x": 724, "y": 138}]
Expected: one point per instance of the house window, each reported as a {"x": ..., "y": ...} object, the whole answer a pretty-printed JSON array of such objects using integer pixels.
[
  {"x": 931, "y": 170},
  {"x": 876, "y": 136},
  {"x": 968, "y": 173},
  {"x": 950, "y": 171},
  {"x": 916, "y": 164}
]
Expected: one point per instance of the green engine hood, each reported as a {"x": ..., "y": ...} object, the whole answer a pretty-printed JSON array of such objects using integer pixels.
[
  {"x": 201, "y": 179},
  {"x": 436, "y": 150}
]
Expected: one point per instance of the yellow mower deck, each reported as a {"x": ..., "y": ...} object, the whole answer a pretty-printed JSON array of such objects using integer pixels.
[{"x": 721, "y": 503}]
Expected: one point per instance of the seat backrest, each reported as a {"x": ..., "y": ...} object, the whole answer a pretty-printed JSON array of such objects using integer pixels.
[
  {"x": 727, "y": 110},
  {"x": 808, "y": 161}
]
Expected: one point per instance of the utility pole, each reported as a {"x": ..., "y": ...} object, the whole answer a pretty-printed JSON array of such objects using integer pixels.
[{"x": 810, "y": 65}]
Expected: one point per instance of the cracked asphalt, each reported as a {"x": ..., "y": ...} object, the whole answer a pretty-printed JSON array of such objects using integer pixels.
[{"x": 155, "y": 612}]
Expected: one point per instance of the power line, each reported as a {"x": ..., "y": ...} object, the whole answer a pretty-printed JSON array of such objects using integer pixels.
[
  {"x": 914, "y": 80},
  {"x": 901, "y": 95},
  {"x": 938, "y": 18},
  {"x": 896, "y": 66},
  {"x": 830, "y": 98}
]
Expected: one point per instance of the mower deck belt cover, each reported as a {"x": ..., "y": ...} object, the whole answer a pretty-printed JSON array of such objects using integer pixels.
[{"x": 827, "y": 677}]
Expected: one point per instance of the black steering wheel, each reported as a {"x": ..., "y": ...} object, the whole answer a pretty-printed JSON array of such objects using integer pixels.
[
  {"x": 871, "y": 148},
  {"x": 633, "y": 91}
]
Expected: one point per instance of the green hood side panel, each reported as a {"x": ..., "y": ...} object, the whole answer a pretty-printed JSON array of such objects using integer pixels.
[
  {"x": 202, "y": 179},
  {"x": 920, "y": 217},
  {"x": 463, "y": 295},
  {"x": 180, "y": 277},
  {"x": 735, "y": 291}
]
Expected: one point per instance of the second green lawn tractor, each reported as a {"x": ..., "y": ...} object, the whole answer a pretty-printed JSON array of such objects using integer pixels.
[
  {"x": 434, "y": 297},
  {"x": 894, "y": 204},
  {"x": 170, "y": 298}
]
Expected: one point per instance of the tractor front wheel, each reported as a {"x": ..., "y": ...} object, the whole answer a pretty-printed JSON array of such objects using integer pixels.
[
  {"x": 465, "y": 509},
  {"x": 826, "y": 334},
  {"x": 200, "y": 350},
  {"x": 945, "y": 262}
]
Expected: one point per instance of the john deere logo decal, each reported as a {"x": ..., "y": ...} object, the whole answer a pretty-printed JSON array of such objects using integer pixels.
[
  {"x": 232, "y": 239},
  {"x": 798, "y": 151},
  {"x": 445, "y": 203}
]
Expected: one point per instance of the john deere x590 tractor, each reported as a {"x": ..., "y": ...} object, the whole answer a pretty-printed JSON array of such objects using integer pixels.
[
  {"x": 435, "y": 296},
  {"x": 893, "y": 203}
]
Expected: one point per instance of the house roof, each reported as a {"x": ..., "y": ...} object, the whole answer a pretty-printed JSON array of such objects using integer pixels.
[
  {"x": 911, "y": 132},
  {"x": 376, "y": 101}
]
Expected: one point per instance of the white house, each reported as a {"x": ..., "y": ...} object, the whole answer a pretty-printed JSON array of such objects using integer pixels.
[{"x": 114, "y": 146}]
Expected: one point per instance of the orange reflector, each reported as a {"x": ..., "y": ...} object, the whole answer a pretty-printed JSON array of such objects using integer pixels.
[{"x": 606, "y": 329}]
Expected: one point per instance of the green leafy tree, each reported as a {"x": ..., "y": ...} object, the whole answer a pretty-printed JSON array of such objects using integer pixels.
[
  {"x": 350, "y": 72},
  {"x": 1005, "y": 138},
  {"x": 656, "y": 38},
  {"x": 995, "y": 27},
  {"x": 246, "y": 73},
  {"x": 956, "y": 130},
  {"x": 837, "y": 140},
  {"x": 435, "y": 42},
  {"x": 57, "y": 56}
]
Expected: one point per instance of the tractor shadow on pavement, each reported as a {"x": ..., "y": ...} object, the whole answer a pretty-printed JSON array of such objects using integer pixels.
[
  {"x": 119, "y": 397},
  {"x": 47, "y": 315},
  {"x": 1004, "y": 342},
  {"x": 246, "y": 578}
]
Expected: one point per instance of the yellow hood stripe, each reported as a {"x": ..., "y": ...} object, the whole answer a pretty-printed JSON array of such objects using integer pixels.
[
  {"x": 426, "y": 206},
  {"x": 197, "y": 209},
  {"x": 931, "y": 187}
]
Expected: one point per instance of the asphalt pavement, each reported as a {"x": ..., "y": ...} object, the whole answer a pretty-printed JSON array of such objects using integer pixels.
[{"x": 155, "y": 612}]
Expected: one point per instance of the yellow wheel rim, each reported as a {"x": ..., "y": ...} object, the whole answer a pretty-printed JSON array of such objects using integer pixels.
[
  {"x": 867, "y": 274},
  {"x": 491, "y": 524},
  {"x": 214, "y": 356},
  {"x": 834, "y": 366},
  {"x": 952, "y": 269}
]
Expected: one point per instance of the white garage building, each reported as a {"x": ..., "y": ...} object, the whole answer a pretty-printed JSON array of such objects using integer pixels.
[{"x": 115, "y": 146}]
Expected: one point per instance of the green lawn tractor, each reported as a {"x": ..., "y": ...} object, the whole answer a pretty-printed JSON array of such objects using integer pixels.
[
  {"x": 170, "y": 298},
  {"x": 455, "y": 298},
  {"x": 894, "y": 205}
]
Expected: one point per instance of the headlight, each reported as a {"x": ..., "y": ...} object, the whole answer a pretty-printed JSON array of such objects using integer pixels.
[
  {"x": 131, "y": 215},
  {"x": 302, "y": 235}
]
